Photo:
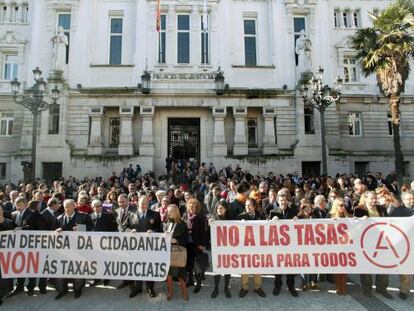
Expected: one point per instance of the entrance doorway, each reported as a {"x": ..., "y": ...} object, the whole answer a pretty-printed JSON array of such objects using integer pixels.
[
  {"x": 184, "y": 139},
  {"x": 51, "y": 171},
  {"x": 311, "y": 169}
]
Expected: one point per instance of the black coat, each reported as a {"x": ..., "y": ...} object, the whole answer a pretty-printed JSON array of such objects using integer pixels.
[
  {"x": 246, "y": 216},
  {"x": 7, "y": 224},
  {"x": 105, "y": 223},
  {"x": 28, "y": 220},
  {"x": 236, "y": 208},
  {"x": 151, "y": 221},
  {"x": 289, "y": 213},
  {"x": 121, "y": 216},
  {"x": 46, "y": 221},
  {"x": 8, "y": 209},
  {"x": 319, "y": 213},
  {"x": 77, "y": 219},
  {"x": 361, "y": 212},
  {"x": 198, "y": 232}
]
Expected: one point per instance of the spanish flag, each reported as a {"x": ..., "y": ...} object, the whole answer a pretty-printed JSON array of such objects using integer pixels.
[{"x": 158, "y": 21}]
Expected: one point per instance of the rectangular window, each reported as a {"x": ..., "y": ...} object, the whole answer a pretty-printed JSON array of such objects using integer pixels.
[
  {"x": 361, "y": 168},
  {"x": 15, "y": 14},
  {"x": 205, "y": 57},
  {"x": 275, "y": 126},
  {"x": 114, "y": 131},
  {"x": 3, "y": 170},
  {"x": 54, "y": 112},
  {"x": 354, "y": 124},
  {"x": 162, "y": 40},
  {"x": 336, "y": 22},
  {"x": 406, "y": 169},
  {"x": 389, "y": 122},
  {"x": 299, "y": 24},
  {"x": 350, "y": 70},
  {"x": 252, "y": 133},
  {"x": 6, "y": 125},
  {"x": 115, "y": 41},
  {"x": 183, "y": 39},
  {"x": 4, "y": 14},
  {"x": 356, "y": 19},
  {"x": 250, "y": 42},
  {"x": 10, "y": 67},
  {"x": 309, "y": 120},
  {"x": 64, "y": 21},
  {"x": 345, "y": 19},
  {"x": 25, "y": 13}
]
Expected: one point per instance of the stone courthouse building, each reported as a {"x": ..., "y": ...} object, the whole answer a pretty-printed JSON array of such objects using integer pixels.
[{"x": 108, "y": 116}]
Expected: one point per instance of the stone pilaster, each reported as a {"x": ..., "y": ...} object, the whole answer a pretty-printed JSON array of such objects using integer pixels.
[
  {"x": 126, "y": 146},
  {"x": 146, "y": 147},
  {"x": 95, "y": 146},
  {"x": 219, "y": 139},
  {"x": 269, "y": 138},
  {"x": 240, "y": 139}
]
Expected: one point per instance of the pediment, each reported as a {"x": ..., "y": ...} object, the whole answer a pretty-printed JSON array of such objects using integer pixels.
[{"x": 12, "y": 38}]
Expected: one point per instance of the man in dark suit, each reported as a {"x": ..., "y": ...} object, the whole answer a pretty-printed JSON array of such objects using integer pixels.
[
  {"x": 47, "y": 221},
  {"x": 71, "y": 221},
  {"x": 38, "y": 197},
  {"x": 101, "y": 222},
  {"x": 5, "y": 284},
  {"x": 23, "y": 219},
  {"x": 122, "y": 212},
  {"x": 121, "y": 217},
  {"x": 284, "y": 211},
  {"x": 143, "y": 220},
  {"x": 269, "y": 203}
]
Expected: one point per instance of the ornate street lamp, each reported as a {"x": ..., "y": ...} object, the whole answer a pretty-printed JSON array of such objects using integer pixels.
[
  {"x": 145, "y": 85},
  {"x": 321, "y": 97},
  {"x": 219, "y": 80},
  {"x": 32, "y": 99}
]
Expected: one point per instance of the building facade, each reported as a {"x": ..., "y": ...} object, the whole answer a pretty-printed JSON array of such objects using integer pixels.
[{"x": 104, "y": 120}]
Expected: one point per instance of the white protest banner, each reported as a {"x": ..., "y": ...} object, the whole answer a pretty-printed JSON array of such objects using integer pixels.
[
  {"x": 85, "y": 255},
  {"x": 373, "y": 245}
]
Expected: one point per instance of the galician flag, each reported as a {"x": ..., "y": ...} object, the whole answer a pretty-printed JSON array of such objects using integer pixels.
[{"x": 158, "y": 20}]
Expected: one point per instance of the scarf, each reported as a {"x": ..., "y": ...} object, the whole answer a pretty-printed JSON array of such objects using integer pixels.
[{"x": 190, "y": 221}]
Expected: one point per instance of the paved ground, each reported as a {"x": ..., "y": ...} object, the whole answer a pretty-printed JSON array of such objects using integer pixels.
[{"x": 108, "y": 298}]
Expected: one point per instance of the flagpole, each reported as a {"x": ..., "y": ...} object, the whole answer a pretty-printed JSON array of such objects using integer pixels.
[
  {"x": 159, "y": 30},
  {"x": 205, "y": 31}
]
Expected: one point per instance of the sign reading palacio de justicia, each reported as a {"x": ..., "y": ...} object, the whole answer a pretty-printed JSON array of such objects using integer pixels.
[{"x": 183, "y": 76}]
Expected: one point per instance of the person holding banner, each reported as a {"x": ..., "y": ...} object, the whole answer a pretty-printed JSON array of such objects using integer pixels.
[
  {"x": 339, "y": 211},
  {"x": 371, "y": 209},
  {"x": 196, "y": 225},
  {"x": 285, "y": 210},
  {"x": 71, "y": 220},
  {"x": 143, "y": 220},
  {"x": 47, "y": 221},
  {"x": 222, "y": 211},
  {"x": 5, "y": 224},
  {"x": 179, "y": 236},
  {"x": 24, "y": 219},
  {"x": 405, "y": 210},
  {"x": 101, "y": 222},
  {"x": 253, "y": 212}
]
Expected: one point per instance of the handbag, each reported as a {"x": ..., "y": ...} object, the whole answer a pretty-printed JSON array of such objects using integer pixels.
[
  {"x": 201, "y": 263},
  {"x": 178, "y": 256},
  {"x": 178, "y": 253}
]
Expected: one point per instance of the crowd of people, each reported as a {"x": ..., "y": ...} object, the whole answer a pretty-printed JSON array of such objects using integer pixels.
[{"x": 185, "y": 202}]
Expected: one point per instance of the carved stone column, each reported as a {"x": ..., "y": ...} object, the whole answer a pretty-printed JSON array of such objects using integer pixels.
[
  {"x": 95, "y": 146},
  {"x": 269, "y": 133},
  {"x": 126, "y": 146},
  {"x": 219, "y": 140},
  {"x": 146, "y": 147},
  {"x": 240, "y": 139}
]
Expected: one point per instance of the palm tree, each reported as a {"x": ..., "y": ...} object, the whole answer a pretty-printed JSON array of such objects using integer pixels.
[{"x": 385, "y": 50}]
